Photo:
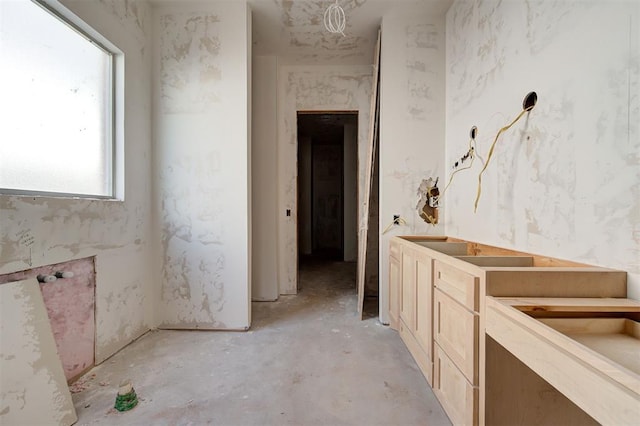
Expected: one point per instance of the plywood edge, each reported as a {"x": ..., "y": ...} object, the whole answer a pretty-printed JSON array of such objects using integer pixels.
[
  {"x": 499, "y": 261},
  {"x": 414, "y": 238},
  {"x": 571, "y": 304}
]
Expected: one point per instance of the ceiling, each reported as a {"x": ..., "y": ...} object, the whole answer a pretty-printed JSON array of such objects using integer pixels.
[{"x": 294, "y": 30}]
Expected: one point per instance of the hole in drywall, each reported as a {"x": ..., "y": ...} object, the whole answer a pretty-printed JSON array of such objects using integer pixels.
[
  {"x": 529, "y": 101},
  {"x": 474, "y": 132}
]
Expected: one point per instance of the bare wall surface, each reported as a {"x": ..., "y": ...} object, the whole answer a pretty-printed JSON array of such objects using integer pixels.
[
  {"x": 411, "y": 124},
  {"x": 565, "y": 180},
  {"x": 201, "y": 63},
  {"x": 38, "y": 231},
  {"x": 312, "y": 88},
  {"x": 264, "y": 179}
]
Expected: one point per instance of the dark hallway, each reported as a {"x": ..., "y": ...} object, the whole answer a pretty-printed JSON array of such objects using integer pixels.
[{"x": 327, "y": 185}]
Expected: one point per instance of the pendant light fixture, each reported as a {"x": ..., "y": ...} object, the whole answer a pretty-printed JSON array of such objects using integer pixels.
[{"x": 334, "y": 19}]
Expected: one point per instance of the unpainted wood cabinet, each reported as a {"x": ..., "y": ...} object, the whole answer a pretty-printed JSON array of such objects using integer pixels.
[
  {"x": 434, "y": 306},
  {"x": 414, "y": 287},
  {"x": 456, "y": 338},
  {"x": 439, "y": 287}
]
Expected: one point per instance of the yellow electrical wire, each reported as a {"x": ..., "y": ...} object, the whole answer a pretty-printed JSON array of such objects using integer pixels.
[
  {"x": 429, "y": 219},
  {"x": 493, "y": 145},
  {"x": 473, "y": 157},
  {"x": 398, "y": 221}
]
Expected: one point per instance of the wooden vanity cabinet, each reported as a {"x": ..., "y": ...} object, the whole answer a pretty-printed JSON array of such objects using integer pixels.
[
  {"x": 438, "y": 292},
  {"x": 456, "y": 337},
  {"x": 415, "y": 304}
]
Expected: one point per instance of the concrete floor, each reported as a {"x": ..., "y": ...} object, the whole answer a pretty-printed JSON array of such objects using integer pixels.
[{"x": 307, "y": 360}]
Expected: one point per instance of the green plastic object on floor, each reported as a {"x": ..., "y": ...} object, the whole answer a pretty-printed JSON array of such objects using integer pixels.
[{"x": 127, "y": 401}]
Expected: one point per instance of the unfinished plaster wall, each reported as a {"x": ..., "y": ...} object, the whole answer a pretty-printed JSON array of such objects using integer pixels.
[
  {"x": 38, "y": 231},
  {"x": 312, "y": 88},
  {"x": 264, "y": 178},
  {"x": 202, "y": 159},
  {"x": 412, "y": 100},
  {"x": 565, "y": 181}
]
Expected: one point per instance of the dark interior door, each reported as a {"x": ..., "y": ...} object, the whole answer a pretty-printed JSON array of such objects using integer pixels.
[{"x": 327, "y": 190}]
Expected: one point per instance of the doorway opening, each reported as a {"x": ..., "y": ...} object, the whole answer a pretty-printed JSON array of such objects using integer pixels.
[{"x": 327, "y": 187}]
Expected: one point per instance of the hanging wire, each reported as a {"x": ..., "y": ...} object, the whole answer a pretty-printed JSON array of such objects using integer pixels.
[
  {"x": 334, "y": 19},
  {"x": 396, "y": 221},
  {"x": 471, "y": 153},
  {"x": 493, "y": 145}
]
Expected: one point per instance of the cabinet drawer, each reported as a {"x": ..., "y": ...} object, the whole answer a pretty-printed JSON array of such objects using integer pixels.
[
  {"x": 458, "y": 284},
  {"x": 457, "y": 396},
  {"x": 456, "y": 331}
]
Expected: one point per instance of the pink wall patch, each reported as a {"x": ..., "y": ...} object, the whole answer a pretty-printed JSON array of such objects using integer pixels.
[{"x": 70, "y": 304}]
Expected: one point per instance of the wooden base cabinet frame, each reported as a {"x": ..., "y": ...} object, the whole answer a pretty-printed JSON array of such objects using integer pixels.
[
  {"x": 601, "y": 387},
  {"x": 446, "y": 331}
]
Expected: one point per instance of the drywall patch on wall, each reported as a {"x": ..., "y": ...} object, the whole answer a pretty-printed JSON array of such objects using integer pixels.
[
  {"x": 135, "y": 15},
  {"x": 202, "y": 164},
  {"x": 313, "y": 88},
  {"x": 192, "y": 239},
  {"x": 118, "y": 314},
  {"x": 420, "y": 39},
  {"x": 27, "y": 235},
  {"x": 33, "y": 389},
  {"x": 190, "y": 70},
  {"x": 549, "y": 20},
  {"x": 491, "y": 36},
  {"x": 565, "y": 180}
]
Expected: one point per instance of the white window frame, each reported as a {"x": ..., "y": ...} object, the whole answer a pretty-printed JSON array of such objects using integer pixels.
[{"x": 116, "y": 106}]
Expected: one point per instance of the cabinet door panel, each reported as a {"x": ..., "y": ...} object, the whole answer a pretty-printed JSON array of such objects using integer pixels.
[
  {"x": 457, "y": 396},
  {"x": 408, "y": 289},
  {"x": 456, "y": 331},
  {"x": 424, "y": 304}
]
